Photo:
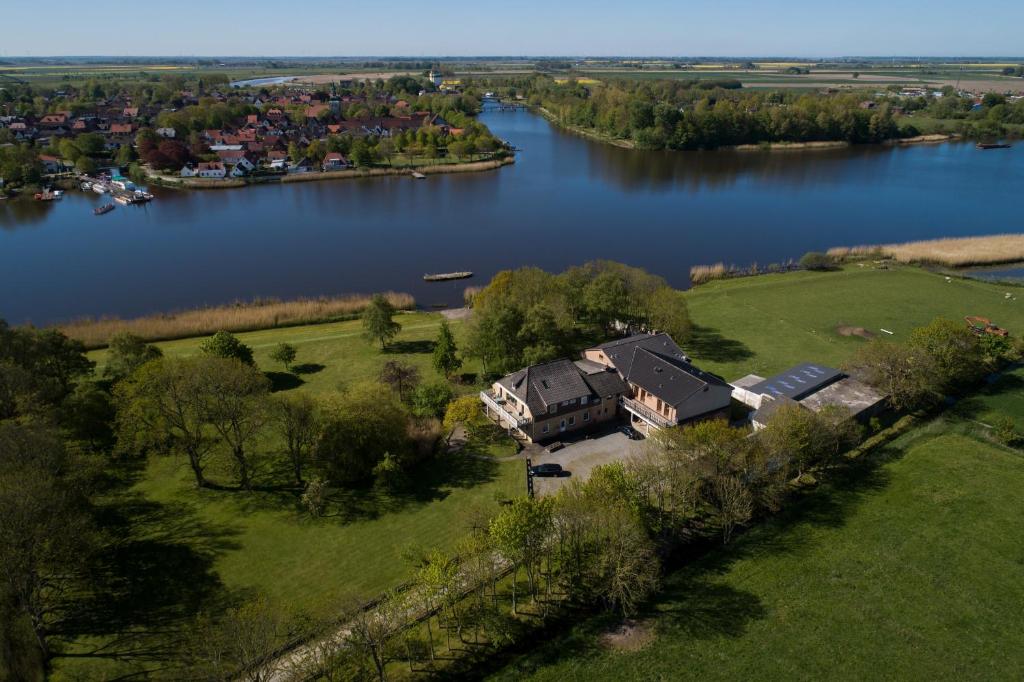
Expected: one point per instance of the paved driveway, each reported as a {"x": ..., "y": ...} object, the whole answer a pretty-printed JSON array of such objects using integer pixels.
[{"x": 580, "y": 458}]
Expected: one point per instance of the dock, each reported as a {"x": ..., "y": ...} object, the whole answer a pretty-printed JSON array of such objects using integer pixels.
[{"x": 446, "y": 276}]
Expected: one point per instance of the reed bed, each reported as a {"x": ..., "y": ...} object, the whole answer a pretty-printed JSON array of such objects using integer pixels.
[
  {"x": 237, "y": 317},
  {"x": 953, "y": 252},
  {"x": 700, "y": 274}
]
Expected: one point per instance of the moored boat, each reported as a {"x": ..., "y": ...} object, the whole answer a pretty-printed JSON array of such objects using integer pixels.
[
  {"x": 123, "y": 200},
  {"x": 98, "y": 188},
  {"x": 444, "y": 276},
  {"x": 85, "y": 186},
  {"x": 418, "y": 175},
  {"x": 992, "y": 145},
  {"x": 105, "y": 208}
]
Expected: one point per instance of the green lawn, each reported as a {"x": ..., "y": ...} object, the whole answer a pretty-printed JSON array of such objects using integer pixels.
[
  {"x": 911, "y": 570},
  {"x": 200, "y": 546},
  {"x": 765, "y": 324},
  {"x": 335, "y": 355}
]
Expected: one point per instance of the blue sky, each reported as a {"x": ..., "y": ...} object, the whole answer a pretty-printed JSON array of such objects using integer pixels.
[{"x": 531, "y": 27}]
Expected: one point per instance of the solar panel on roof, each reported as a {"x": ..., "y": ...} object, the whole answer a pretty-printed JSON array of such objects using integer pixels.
[{"x": 797, "y": 382}]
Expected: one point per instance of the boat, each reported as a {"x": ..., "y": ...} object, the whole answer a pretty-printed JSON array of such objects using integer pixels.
[
  {"x": 445, "y": 276},
  {"x": 85, "y": 186},
  {"x": 992, "y": 145},
  {"x": 123, "y": 200},
  {"x": 46, "y": 195},
  {"x": 105, "y": 208},
  {"x": 98, "y": 188},
  {"x": 418, "y": 175}
]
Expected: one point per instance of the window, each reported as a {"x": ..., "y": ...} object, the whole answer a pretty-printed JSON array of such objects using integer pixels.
[
  {"x": 552, "y": 408},
  {"x": 586, "y": 416},
  {"x": 659, "y": 404},
  {"x": 545, "y": 429},
  {"x": 583, "y": 400},
  {"x": 572, "y": 420}
]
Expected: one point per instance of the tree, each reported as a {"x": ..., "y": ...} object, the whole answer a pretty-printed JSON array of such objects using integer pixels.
[
  {"x": 494, "y": 337},
  {"x": 378, "y": 324},
  {"x": 519, "y": 532},
  {"x": 232, "y": 399},
  {"x": 366, "y": 423},
  {"x": 127, "y": 352},
  {"x": 160, "y": 407},
  {"x": 244, "y": 638},
  {"x": 733, "y": 503},
  {"x": 314, "y": 497},
  {"x": 606, "y": 299},
  {"x": 371, "y": 632},
  {"x": 445, "y": 360},
  {"x": 956, "y": 356},
  {"x": 812, "y": 260},
  {"x": 298, "y": 420},
  {"x": 226, "y": 345},
  {"x": 46, "y": 538},
  {"x": 285, "y": 354},
  {"x": 464, "y": 410},
  {"x": 400, "y": 377},
  {"x": 904, "y": 374},
  {"x": 667, "y": 312},
  {"x": 431, "y": 400}
]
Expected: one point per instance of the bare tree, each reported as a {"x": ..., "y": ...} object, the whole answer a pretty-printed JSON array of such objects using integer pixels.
[{"x": 298, "y": 421}]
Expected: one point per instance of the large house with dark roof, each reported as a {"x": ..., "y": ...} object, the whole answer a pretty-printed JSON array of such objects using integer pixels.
[
  {"x": 665, "y": 388},
  {"x": 542, "y": 401},
  {"x": 645, "y": 376}
]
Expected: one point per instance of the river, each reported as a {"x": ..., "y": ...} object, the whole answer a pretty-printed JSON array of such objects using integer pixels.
[{"x": 566, "y": 201}]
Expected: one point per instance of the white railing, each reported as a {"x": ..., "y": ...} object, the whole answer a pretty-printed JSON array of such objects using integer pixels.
[
  {"x": 647, "y": 414},
  {"x": 512, "y": 418}
]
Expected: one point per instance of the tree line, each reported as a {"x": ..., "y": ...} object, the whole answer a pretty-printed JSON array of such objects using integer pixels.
[
  {"x": 527, "y": 316},
  {"x": 688, "y": 115}
]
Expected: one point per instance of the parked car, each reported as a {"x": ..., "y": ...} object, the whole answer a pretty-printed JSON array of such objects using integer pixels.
[
  {"x": 630, "y": 433},
  {"x": 549, "y": 469},
  {"x": 555, "y": 446}
]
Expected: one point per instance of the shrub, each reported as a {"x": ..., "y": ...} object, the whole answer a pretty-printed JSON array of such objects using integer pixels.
[
  {"x": 1005, "y": 431},
  {"x": 814, "y": 260}
]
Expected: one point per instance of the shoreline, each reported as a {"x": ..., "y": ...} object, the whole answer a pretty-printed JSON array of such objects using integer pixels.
[
  {"x": 171, "y": 182},
  {"x": 815, "y": 145}
]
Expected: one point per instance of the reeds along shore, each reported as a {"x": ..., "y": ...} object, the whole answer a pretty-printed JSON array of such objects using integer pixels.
[
  {"x": 953, "y": 252},
  {"x": 237, "y": 317}
]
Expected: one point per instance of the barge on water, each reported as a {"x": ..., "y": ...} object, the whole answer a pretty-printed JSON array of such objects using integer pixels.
[
  {"x": 105, "y": 208},
  {"x": 992, "y": 145},
  {"x": 445, "y": 276}
]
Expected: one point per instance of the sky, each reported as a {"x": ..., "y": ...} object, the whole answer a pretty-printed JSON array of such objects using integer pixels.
[{"x": 749, "y": 28}]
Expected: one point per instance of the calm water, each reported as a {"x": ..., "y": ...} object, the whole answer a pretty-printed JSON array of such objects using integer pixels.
[{"x": 564, "y": 202}]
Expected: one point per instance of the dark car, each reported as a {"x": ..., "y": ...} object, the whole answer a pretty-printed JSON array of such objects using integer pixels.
[
  {"x": 550, "y": 469},
  {"x": 630, "y": 433}
]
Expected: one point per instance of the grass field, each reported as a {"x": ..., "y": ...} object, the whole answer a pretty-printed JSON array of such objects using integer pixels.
[
  {"x": 334, "y": 355},
  {"x": 235, "y": 544},
  {"x": 765, "y": 324},
  {"x": 906, "y": 570}
]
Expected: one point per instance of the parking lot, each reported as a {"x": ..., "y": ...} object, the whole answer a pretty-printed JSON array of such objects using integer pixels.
[{"x": 580, "y": 457}]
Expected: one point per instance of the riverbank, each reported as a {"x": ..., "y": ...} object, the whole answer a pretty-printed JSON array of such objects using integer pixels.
[
  {"x": 583, "y": 132},
  {"x": 348, "y": 174},
  {"x": 816, "y": 145},
  {"x": 241, "y": 316},
  {"x": 958, "y": 252}
]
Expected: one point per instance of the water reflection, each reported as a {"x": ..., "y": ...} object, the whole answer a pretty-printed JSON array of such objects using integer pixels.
[{"x": 565, "y": 200}]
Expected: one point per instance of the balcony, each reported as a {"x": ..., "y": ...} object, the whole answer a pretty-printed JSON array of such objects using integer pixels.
[
  {"x": 650, "y": 416},
  {"x": 503, "y": 413}
]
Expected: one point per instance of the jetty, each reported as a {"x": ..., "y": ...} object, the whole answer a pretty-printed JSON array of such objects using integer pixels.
[{"x": 445, "y": 276}]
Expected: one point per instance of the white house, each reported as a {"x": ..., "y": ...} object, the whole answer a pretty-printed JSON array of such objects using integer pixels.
[
  {"x": 213, "y": 169},
  {"x": 169, "y": 133}
]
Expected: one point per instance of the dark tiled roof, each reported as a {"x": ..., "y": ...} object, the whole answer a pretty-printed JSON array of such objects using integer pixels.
[
  {"x": 555, "y": 382},
  {"x": 797, "y": 382},
  {"x": 606, "y": 383},
  {"x": 655, "y": 363}
]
